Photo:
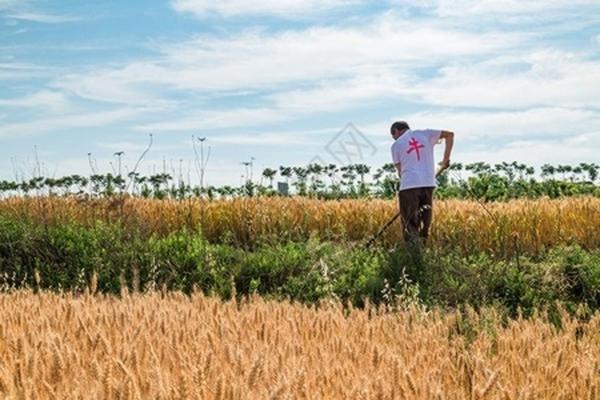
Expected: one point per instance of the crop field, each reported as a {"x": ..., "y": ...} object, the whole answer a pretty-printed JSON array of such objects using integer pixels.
[
  {"x": 171, "y": 346},
  {"x": 535, "y": 225},
  {"x": 299, "y": 199},
  {"x": 519, "y": 254},
  {"x": 257, "y": 298}
]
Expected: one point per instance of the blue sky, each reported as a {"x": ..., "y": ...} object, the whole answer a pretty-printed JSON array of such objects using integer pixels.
[{"x": 276, "y": 80}]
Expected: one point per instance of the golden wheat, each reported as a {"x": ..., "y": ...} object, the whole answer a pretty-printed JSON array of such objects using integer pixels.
[
  {"x": 534, "y": 224},
  {"x": 167, "y": 346}
]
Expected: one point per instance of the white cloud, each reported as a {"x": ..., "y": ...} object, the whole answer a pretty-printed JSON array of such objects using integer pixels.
[
  {"x": 14, "y": 11},
  {"x": 44, "y": 100},
  {"x": 259, "y": 61},
  {"x": 451, "y": 64},
  {"x": 217, "y": 119},
  {"x": 19, "y": 71},
  {"x": 307, "y": 137},
  {"x": 353, "y": 67},
  {"x": 285, "y": 8},
  {"x": 491, "y": 8},
  {"x": 547, "y": 93},
  {"x": 572, "y": 149},
  {"x": 497, "y": 126},
  {"x": 503, "y": 11},
  {"x": 18, "y": 66},
  {"x": 130, "y": 85},
  {"x": 260, "y": 139},
  {"x": 43, "y": 18},
  {"x": 287, "y": 106},
  {"x": 8, "y": 4},
  {"x": 544, "y": 78},
  {"x": 136, "y": 148},
  {"x": 80, "y": 120},
  {"x": 510, "y": 124},
  {"x": 344, "y": 93},
  {"x": 535, "y": 136}
]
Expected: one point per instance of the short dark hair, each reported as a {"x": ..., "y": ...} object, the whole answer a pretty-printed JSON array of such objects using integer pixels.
[{"x": 400, "y": 125}]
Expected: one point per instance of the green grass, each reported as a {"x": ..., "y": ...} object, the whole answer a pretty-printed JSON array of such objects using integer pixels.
[{"x": 65, "y": 256}]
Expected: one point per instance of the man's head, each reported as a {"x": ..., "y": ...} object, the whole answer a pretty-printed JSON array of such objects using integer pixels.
[{"x": 398, "y": 128}]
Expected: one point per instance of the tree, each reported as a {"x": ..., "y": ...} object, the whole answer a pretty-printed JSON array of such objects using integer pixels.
[
  {"x": 315, "y": 170},
  {"x": 331, "y": 170},
  {"x": 349, "y": 176},
  {"x": 591, "y": 170},
  {"x": 286, "y": 172},
  {"x": 548, "y": 171},
  {"x": 362, "y": 170},
  {"x": 301, "y": 174},
  {"x": 269, "y": 174}
]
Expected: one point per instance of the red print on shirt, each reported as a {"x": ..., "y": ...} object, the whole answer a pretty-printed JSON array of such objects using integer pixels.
[{"x": 415, "y": 145}]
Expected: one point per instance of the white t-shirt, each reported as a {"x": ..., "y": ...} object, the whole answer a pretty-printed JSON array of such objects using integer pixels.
[{"x": 414, "y": 151}]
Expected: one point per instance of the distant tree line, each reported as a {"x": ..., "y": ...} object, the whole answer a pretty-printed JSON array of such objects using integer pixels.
[{"x": 477, "y": 180}]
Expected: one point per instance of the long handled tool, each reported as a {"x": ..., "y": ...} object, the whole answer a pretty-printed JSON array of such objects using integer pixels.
[
  {"x": 391, "y": 221},
  {"x": 380, "y": 232}
]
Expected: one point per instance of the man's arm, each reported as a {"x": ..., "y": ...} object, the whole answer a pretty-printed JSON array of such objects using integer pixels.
[
  {"x": 398, "y": 169},
  {"x": 449, "y": 138}
]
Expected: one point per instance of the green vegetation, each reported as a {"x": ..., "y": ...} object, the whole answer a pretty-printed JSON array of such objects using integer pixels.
[
  {"x": 68, "y": 256},
  {"x": 478, "y": 180}
]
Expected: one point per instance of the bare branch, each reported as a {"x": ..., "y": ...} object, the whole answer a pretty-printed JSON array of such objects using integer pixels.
[{"x": 137, "y": 164}]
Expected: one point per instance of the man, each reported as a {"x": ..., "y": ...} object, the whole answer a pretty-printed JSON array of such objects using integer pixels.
[{"x": 412, "y": 153}]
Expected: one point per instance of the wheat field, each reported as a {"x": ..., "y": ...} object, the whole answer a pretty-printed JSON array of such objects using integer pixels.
[
  {"x": 460, "y": 224},
  {"x": 169, "y": 346}
]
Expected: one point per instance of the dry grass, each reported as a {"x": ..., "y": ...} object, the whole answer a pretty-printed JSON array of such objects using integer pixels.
[
  {"x": 535, "y": 224},
  {"x": 157, "y": 346}
]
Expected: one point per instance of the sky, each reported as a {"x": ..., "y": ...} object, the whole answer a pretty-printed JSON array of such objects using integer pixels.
[{"x": 289, "y": 82}]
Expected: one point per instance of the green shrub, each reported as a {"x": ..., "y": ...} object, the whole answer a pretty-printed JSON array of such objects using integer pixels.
[{"x": 66, "y": 255}]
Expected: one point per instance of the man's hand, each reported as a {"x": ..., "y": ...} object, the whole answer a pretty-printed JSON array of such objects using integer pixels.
[
  {"x": 449, "y": 138},
  {"x": 445, "y": 164}
]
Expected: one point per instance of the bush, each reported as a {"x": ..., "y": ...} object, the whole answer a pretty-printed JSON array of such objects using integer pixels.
[{"x": 66, "y": 255}]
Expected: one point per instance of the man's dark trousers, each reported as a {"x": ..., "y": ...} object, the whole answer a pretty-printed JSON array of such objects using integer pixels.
[{"x": 416, "y": 212}]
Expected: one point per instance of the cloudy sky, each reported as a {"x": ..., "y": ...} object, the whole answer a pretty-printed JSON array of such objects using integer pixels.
[{"x": 276, "y": 80}]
